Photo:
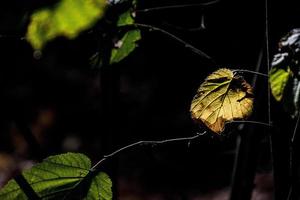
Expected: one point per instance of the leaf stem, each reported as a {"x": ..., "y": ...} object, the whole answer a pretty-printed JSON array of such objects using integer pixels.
[
  {"x": 177, "y": 6},
  {"x": 144, "y": 142},
  {"x": 186, "y": 44}
]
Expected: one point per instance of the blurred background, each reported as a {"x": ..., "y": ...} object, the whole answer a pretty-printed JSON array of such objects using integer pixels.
[{"x": 61, "y": 99}]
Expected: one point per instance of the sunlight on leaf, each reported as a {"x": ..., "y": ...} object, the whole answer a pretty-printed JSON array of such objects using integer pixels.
[
  {"x": 67, "y": 18},
  {"x": 125, "y": 19},
  {"x": 221, "y": 98},
  {"x": 56, "y": 176},
  {"x": 278, "y": 81},
  {"x": 284, "y": 75},
  {"x": 100, "y": 188},
  {"x": 125, "y": 46}
]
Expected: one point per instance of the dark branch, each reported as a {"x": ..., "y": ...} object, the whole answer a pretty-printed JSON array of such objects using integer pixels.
[
  {"x": 250, "y": 71},
  {"x": 144, "y": 142},
  {"x": 251, "y": 122},
  {"x": 177, "y": 6},
  {"x": 186, "y": 44}
]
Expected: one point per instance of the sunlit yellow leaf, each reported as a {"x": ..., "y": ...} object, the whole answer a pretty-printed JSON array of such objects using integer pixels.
[
  {"x": 221, "y": 98},
  {"x": 67, "y": 18}
]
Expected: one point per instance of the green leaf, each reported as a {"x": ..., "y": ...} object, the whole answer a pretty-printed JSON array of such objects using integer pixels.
[
  {"x": 56, "y": 176},
  {"x": 284, "y": 76},
  {"x": 67, "y": 18},
  {"x": 100, "y": 188},
  {"x": 125, "y": 19},
  {"x": 223, "y": 97},
  {"x": 125, "y": 46},
  {"x": 279, "y": 78}
]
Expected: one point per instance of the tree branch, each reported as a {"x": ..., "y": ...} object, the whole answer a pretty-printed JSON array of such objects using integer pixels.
[
  {"x": 186, "y": 44},
  {"x": 250, "y": 71},
  {"x": 144, "y": 142},
  {"x": 177, "y": 6},
  {"x": 251, "y": 122}
]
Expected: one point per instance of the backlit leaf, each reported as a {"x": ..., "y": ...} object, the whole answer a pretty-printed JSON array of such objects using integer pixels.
[
  {"x": 56, "y": 176},
  {"x": 278, "y": 81},
  {"x": 125, "y": 19},
  {"x": 100, "y": 188},
  {"x": 125, "y": 46},
  {"x": 67, "y": 18},
  {"x": 221, "y": 98},
  {"x": 284, "y": 76}
]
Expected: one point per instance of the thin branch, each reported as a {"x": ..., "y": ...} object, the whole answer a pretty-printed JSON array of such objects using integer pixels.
[
  {"x": 186, "y": 44},
  {"x": 178, "y": 6},
  {"x": 292, "y": 145},
  {"x": 268, "y": 58},
  {"x": 251, "y": 122},
  {"x": 258, "y": 66},
  {"x": 201, "y": 27},
  {"x": 12, "y": 37},
  {"x": 144, "y": 142},
  {"x": 295, "y": 129},
  {"x": 250, "y": 71}
]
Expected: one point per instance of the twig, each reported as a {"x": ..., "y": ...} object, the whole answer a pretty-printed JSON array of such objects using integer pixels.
[
  {"x": 12, "y": 37},
  {"x": 177, "y": 6},
  {"x": 144, "y": 142},
  {"x": 186, "y": 44},
  {"x": 268, "y": 59},
  {"x": 251, "y": 122},
  {"x": 258, "y": 66},
  {"x": 250, "y": 71},
  {"x": 201, "y": 27},
  {"x": 292, "y": 156},
  {"x": 295, "y": 129}
]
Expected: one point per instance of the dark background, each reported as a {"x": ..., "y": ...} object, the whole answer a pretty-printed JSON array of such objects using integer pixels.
[{"x": 60, "y": 96}]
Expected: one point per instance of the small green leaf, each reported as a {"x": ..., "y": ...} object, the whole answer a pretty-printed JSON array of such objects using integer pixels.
[
  {"x": 125, "y": 19},
  {"x": 125, "y": 46},
  {"x": 67, "y": 18},
  {"x": 56, "y": 176},
  {"x": 278, "y": 81}
]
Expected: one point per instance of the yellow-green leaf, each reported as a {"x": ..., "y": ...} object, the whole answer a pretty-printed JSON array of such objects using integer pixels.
[
  {"x": 125, "y": 46},
  {"x": 221, "y": 98},
  {"x": 278, "y": 81},
  {"x": 67, "y": 18}
]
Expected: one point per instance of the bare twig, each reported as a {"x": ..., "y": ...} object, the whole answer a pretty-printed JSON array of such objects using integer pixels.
[
  {"x": 292, "y": 150},
  {"x": 12, "y": 37},
  {"x": 295, "y": 129},
  {"x": 144, "y": 142},
  {"x": 250, "y": 71},
  {"x": 200, "y": 27},
  {"x": 268, "y": 59},
  {"x": 250, "y": 122},
  {"x": 178, "y": 6},
  {"x": 186, "y": 44}
]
